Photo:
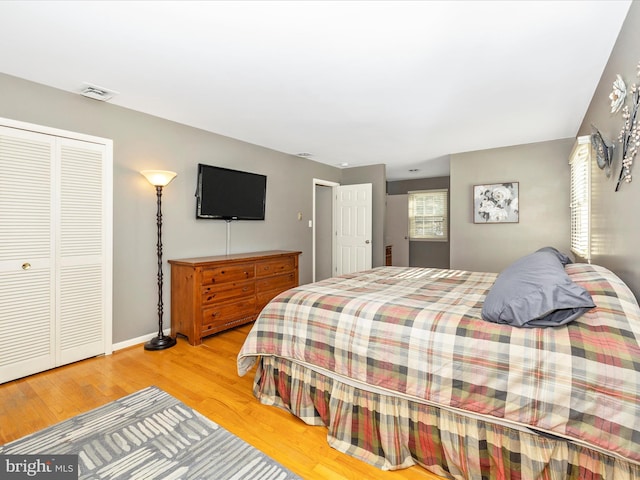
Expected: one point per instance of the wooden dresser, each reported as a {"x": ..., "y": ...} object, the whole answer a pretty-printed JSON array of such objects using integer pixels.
[{"x": 212, "y": 294}]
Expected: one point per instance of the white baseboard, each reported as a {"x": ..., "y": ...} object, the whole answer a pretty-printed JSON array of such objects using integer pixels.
[{"x": 137, "y": 341}]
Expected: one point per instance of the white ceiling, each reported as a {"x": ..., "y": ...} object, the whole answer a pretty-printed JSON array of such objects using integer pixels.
[{"x": 362, "y": 82}]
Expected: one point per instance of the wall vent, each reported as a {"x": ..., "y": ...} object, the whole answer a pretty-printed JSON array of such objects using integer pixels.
[{"x": 97, "y": 93}]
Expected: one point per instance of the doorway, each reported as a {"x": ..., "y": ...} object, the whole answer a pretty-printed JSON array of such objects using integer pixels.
[
  {"x": 355, "y": 223},
  {"x": 322, "y": 228},
  {"x": 397, "y": 229}
]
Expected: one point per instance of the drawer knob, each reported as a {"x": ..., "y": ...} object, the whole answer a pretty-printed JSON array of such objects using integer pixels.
[{"x": 26, "y": 266}]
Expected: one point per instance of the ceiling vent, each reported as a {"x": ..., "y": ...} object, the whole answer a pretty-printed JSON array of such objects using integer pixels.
[{"x": 97, "y": 93}]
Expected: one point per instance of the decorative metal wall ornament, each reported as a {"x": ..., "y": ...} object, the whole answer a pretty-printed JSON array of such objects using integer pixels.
[
  {"x": 618, "y": 95},
  {"x": 603, "y": 152},
  {"x": 629, "y": 136}
]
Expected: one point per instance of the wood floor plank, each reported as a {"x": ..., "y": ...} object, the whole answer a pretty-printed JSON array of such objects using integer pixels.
[{"x": 203, "y": 377}]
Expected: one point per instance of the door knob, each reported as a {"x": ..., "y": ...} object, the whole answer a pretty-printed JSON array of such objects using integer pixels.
[{"x": 367, "y": 242}]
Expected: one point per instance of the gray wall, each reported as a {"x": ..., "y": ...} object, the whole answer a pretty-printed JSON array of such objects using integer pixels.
[
  {"x": 424, "y": 254},
  {"x": 542, "y": 169},
  {"x": 145, "y": 142},
  {"x": 376, "y": 175},
  {"x": 615, "y": 220}
]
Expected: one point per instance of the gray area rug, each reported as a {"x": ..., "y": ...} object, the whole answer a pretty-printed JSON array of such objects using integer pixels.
[{"x": 150, "y": 435}]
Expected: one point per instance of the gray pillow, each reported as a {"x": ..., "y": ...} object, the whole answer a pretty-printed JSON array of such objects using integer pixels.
[
  {"x": 561, "y": 256},
  {"x": 535, "y": 291}
]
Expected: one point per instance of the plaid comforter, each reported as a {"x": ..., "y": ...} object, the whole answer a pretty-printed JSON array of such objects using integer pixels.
[{"x": 418, "y": 333}]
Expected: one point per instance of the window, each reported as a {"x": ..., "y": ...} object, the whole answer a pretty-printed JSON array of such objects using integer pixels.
[
  {"x": 580, "y": 163},
  {"x": 428, "y": 216}
]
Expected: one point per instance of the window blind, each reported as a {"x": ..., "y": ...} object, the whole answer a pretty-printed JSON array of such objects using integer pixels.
[
  {"x": 580, "y": 201},
  {"x": 428, "y": 215}
]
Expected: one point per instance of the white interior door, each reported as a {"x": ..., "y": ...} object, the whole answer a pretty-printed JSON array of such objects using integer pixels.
[
  {"x": 352, "y": 221},
  {"x": 26, "y": 253},
  {"x": 81, "y": 251},
  {"x": 397, "y": 229}
]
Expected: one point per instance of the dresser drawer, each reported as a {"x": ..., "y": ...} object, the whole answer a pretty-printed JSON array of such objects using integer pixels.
[
  {"x": 221, "y": 314},
  {"x": 275, "y": 266},
  {"x": 228, "y": 273},
  {"x": 224, "y": 291},
  {"x": 279, "y": 282}
]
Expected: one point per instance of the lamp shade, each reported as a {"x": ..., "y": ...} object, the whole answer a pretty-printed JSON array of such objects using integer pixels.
[{"x": 159, "y": 178}]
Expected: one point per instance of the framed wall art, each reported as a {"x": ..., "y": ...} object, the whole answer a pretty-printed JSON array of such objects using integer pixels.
[{"x": 496, "y": 203}]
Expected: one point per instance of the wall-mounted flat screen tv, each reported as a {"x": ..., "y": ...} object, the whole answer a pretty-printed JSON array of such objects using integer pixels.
[{"x": 226, "y": 194}]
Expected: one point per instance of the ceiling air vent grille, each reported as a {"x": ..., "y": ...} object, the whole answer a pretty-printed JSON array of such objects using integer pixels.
[{"x": 97, "y": 93}]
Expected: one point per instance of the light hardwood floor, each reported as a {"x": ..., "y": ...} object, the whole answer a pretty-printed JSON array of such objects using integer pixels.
[{"x": 203, "y": 377}]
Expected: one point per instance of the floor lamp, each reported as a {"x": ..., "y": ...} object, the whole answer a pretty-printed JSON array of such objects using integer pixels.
[{"x": 159, "y": 179}]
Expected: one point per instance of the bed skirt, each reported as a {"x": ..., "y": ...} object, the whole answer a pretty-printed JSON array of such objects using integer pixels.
[{"x": 393, "y": 433}]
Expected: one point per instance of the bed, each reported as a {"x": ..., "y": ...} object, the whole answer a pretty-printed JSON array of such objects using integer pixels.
[{"x": 400, "y": 366}]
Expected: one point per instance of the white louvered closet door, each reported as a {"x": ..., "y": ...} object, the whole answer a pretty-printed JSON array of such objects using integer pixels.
[
  {"x": 26, "y": 253},
  {"x": 55, "y": 251},
  {"x": 80, "y": 251}
]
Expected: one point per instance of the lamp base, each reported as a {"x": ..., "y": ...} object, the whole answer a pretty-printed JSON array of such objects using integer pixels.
[{"x": 160, "y": 343}]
